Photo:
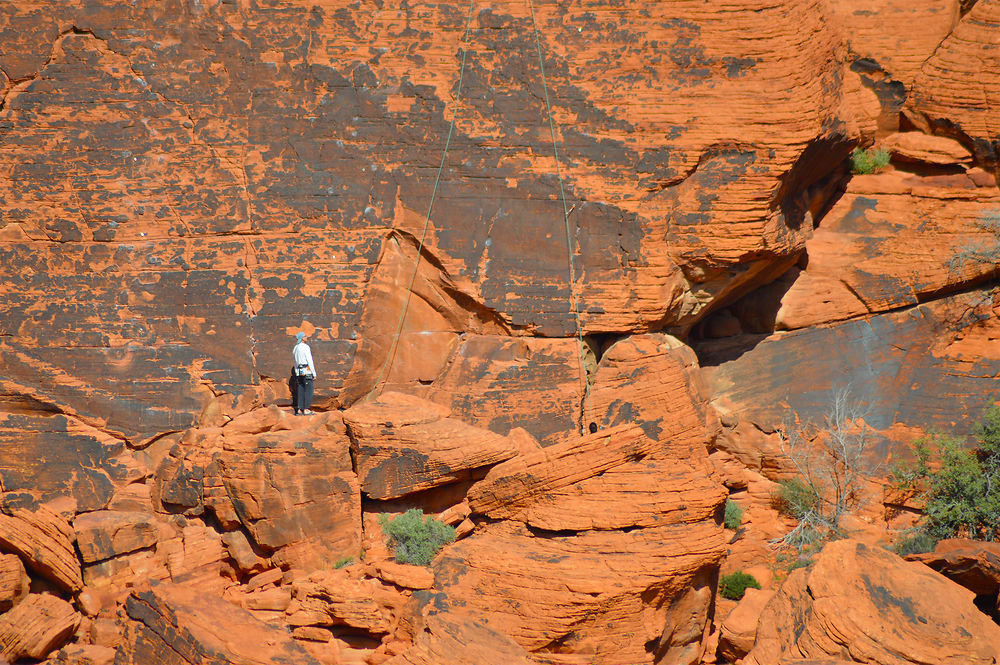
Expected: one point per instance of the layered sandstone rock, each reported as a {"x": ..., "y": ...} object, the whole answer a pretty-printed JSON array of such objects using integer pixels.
[
  {"x": 875, "y": 607},
  {"x": 14, "y": 582},
  {"x": 335, "y": 598},
  {"x": 739, "y": 629},
  {"x": 443, "y": 639},
  {"x": 514, "y": 486},
  {"x": 953, "y": 89},
  {"x": 44, "y": 540},
  {"x": 654, "y": 381},
  {"x": 403, "y": 446},
  {"x": 499, "y": 383},
  {"x": 892, "y": 241},
  {"x": 36, "y": 626},
  {"x": 174, "y": 625},
  {"x": 973, "y": 564},
  {"x": 214, "y": 219},
  {"x": 604, "y": 596}
]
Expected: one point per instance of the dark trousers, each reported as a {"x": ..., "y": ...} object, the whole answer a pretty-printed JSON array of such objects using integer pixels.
[{"x": 303, "y": 395}]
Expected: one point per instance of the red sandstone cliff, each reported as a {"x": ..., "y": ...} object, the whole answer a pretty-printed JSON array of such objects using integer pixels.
[{"x": 186, "y": 184}]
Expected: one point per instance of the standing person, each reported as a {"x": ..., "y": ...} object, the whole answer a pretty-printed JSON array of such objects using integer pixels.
[{"x": 305, "y": 374}]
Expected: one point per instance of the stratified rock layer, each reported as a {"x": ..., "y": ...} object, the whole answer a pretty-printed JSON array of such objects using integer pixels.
[
  {"x": 875, "y": 607},
  {"x": 236, "y": 173},
  {"x": 171, "y": 625}
]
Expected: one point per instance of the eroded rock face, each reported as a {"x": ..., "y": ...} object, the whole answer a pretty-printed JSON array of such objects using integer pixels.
[
  {"x": 174, "y": 625},
  {"x": 243, "y": 169},
  {"x": 876, "y": 607},
  {"x": 949, "y": 89},
  {"x": 929, "y": 366},
  {"x": 185, "y": 185}
]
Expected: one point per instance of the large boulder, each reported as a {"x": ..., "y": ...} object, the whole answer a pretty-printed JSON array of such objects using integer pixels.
[
  {"x": 36, "y": 626},
  {"x": 876, "y": 608},
  {"x": 174, "y": 625},
  {"x": 401, "y": 445},
  {"x": 44, "y": 540}
]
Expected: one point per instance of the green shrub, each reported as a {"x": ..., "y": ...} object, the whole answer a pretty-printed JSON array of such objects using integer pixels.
[
  {"x": 869, "y": 161},
  {"x": 734, "y": 515},
  {"x": 414, "y": 537},
  {"x": 734, "y": 585},
  {"x": 344, "y": 562},
  {"x": 962, "y": 491},
  {"x": 796, "y": 498},
  {"x": 917, "y": 542}
]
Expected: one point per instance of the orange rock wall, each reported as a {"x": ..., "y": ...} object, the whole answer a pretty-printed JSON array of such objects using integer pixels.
[{"x": 638, "y": 215}]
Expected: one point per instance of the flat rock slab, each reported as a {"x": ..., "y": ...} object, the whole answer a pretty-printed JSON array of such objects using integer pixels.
[
  {"x": 396, "y": 454},
  {"x": 174, "y": 625},
  {"x": 871, "y": 604},
  {"x": 511, "y": 487},
  {"x": 36, "y": 626},
  {"x": 971, "y": 563},
  {"x": 106, "y": 533},
  {"x": 649, "y": 492}
]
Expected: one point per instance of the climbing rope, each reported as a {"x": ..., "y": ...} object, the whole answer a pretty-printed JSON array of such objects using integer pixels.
[
  {"x": 387, "y": 363},
  {"x": 574, "y": 299}
]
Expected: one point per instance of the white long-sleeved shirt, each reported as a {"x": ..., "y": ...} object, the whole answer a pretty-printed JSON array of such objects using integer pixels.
[{"x": 302, "y": 355}]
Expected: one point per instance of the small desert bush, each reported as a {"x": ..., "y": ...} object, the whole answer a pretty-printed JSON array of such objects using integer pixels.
[
  {"x": 344, "y": 562},
  {"x": 796, "y": 498},
  {"x": 917, "y": 542},
  {"x": 733, "y": 515},
  {"x": 869, "y": 161},
  {"x": 415, "y": 538},
  {"x": 734, "y": 585}
]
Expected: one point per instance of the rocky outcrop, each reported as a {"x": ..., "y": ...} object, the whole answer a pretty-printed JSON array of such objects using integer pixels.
[
  {"x": 861, "y": 259},
  {"x": 739, "y": 629},
  {"x": 36, "y": 626},
  {"x": 516, "y": 485},
  {"x": 499, "y": 226},
  {"x": 237, "y": 218},
  {"x": 173, "y": 625},
  {"x": 655, "y": 382},
  {"x": 872, "y": 605},
  {"x": 559, "y": 594},
  {"x": 443, "y": 640},
  {"x": 973, "y": 564},
  {"x": 953, "y": 89},
  {"x": 402, "y": 445},
  {"x": 886, "y": 361},
  {"x": 44, "y": 541}
]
